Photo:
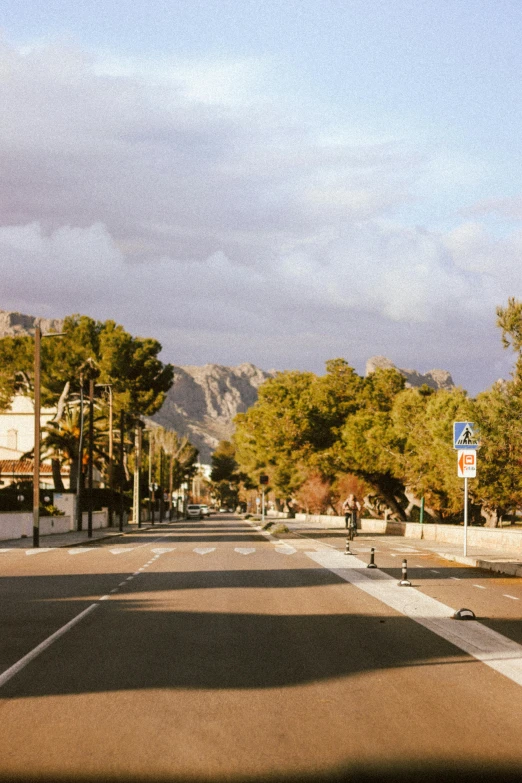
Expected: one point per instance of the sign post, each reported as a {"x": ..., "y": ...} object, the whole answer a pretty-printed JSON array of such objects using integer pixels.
[
  {"x": 263, "y": 480},
  {"x": 466, "y": 442}
]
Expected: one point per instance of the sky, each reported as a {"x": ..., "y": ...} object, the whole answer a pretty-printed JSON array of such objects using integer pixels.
[{"x": 274, "y": 182}]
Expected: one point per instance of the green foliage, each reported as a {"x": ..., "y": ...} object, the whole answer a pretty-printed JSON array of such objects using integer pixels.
[
  {"x": 224, "y": 465},
  {"x": 130, "y": 364},
  {"x": 498, "y": 414},
  {"x": 426, "y": 462}
]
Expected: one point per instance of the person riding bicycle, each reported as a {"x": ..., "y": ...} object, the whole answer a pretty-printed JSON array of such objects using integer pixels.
[{"x": 350, "y": 508}]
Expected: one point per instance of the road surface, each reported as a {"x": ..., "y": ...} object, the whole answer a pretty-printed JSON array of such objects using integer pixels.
[{"x": 209, "y": 651}]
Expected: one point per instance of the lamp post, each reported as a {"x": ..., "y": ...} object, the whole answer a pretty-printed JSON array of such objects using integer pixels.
[
  {"x": 37, "y": 429},
  {"x": 136, "y": 511},
  {"x": 110, "y": 471}
]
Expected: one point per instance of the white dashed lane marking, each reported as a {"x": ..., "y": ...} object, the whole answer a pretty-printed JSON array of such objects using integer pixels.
[
  {"x": 479, "y": 587},
  {"x": 513, "y": 597}
]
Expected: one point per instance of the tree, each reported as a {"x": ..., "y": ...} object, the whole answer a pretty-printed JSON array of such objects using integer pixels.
[
  {"x": 129, "y": 364},
  {"x": 426, "y": 461},
  {"x": 61, "y": 443},
  {"x": 368, "y": 445},
  {"x": 224, "y": 465}
]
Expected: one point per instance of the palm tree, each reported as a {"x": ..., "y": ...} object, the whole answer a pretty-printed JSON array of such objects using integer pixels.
[{"x": 61, "y": 443}]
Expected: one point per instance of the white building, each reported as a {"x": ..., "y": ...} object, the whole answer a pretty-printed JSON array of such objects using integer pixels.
[{"x": 17, "y": 438}]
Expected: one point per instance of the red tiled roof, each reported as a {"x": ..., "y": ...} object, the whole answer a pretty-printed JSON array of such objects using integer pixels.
[{"x": 25, "y": 467}]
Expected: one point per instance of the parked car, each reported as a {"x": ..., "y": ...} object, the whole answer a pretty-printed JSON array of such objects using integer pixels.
[
  {"x": 194, "y": 511},
  {"x": 205, "y": 510}
]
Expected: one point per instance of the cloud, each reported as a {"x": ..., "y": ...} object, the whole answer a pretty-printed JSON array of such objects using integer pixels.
[{"x": 192, "y": 201}]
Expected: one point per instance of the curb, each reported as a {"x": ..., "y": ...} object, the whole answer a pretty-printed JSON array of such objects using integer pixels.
[
  {"x": 510, "y": 569},
  {"x": 118, "y": 534}
]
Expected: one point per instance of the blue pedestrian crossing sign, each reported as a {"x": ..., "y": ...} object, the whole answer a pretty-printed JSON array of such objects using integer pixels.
[{"x": 465, "y": 435}]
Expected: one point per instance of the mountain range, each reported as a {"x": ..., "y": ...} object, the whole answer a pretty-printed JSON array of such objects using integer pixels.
[{"x": 204, "y": 400}]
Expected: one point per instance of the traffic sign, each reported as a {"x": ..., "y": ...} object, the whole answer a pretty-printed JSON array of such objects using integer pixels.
[
  {"x": 467, "y": 463},
  {"x": 465, "y": 435}
]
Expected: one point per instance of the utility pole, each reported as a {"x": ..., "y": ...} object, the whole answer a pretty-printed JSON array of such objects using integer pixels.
[
  {"x": 91, "y": 457},
  {"x": 162, "y": 488},
  {"x": 37, "y": 430},
  {"x": 152, "y": 495},
  {"x": 36, "y": 465},
  {"x": 136, "y": 511},
  {"x": 79, "y": 477},
  {"x": 171, "y": 484},
  {"x": 122, "y": 466}
]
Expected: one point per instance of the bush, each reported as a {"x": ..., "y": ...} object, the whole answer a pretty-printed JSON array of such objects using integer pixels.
[{"x": 51, "y": 511}]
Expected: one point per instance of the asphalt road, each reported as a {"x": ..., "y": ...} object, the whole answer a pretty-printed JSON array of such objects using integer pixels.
[{"x": 207, "y": 651}]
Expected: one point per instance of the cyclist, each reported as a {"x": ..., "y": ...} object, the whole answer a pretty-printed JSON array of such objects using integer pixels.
[{"x": 350, "y": 508}]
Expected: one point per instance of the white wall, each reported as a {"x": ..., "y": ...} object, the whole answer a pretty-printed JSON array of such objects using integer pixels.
[{"x": 17, "y": 524}]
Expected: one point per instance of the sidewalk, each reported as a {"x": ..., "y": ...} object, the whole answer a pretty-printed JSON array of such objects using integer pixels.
[
  {"x": 78, "y": 538},
  {"x": 476, "y": 557}
]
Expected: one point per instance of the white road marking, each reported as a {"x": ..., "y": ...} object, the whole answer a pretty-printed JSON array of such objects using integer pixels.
[
  {"x": 433, "y": 571},
  {"x": 513, "y": 597},
  {"x": 6, "y": 550},
  {"x": 38, "y": 551},
  {"x": 121, "y": 551},
  {"x": 204, "y": 550},
  {"x": 162, "y": 550},
  {"x": 479, "y": 587},
  {"x": 405, "y": 549},
  {"x": 22, "y": 663},
  {"x": 284, "y": 549},
  {"x": 456, "y": 578},
  {"x": 244, "y": 550},
  {"x": 80, "y": 550},
  {"x": 491, "y": 648}
]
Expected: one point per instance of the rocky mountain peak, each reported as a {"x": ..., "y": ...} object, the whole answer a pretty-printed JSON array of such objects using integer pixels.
[
  {"x": 13, "y": 324},
  {"x": 204, "y": 400},
  {"x": 435, "y": 379}
]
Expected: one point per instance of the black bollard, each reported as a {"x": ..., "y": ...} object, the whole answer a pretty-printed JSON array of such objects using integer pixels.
[
  {"x": 404, "y": 581},
  {"x": 371, "y": 564},
  {"x": 347, "y": 550}
]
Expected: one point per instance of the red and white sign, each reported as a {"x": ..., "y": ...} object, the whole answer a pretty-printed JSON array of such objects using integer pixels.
[{"x": 467, "y": 463}]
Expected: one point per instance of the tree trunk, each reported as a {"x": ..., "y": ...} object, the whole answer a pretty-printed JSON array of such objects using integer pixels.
[
  {"x": 491, "y": 515},
  {"x": 73, "y": 476},
  {"x": 57, "y": 476}
]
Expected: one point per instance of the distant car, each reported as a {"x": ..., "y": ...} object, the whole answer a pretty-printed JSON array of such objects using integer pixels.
[
  {"x": 194, "y": 511},
  {"x": 205, "y": 510},
  {"x": 222, "y": 511}
]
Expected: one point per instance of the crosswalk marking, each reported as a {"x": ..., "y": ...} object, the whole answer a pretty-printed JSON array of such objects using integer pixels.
[
  {"x": 121, "y": 551},
  {"x": 37, "y": 551},
  {"x": 285, "y": 549},
  {"x": 80, "y": 550}
]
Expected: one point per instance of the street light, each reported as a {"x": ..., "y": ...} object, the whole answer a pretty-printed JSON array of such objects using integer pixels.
[
  {"x": 109, "y": 387},
  {"x": 37, "y": 430}
]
